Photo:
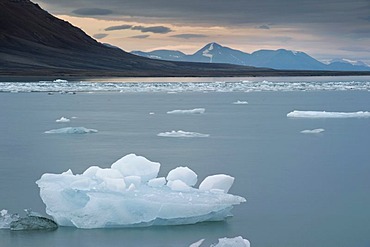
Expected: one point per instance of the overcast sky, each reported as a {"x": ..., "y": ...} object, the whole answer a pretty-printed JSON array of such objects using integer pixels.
[{"x": 325, "y": 29}]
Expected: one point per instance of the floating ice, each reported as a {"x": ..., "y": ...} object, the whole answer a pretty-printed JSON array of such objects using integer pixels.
[
  {"x": 324, "y": 114},
  {"x": 314, "y": 131},
  {"x": 62, "y": 120},
  {"x": 60, "y": 81},
  {"x": 133, "y": 165},
  {"x": 185, "y": 174},
  {"x": 181, "y": 133},
  {"x": 232, "y": 242},
  {"x": 6, "y": 219},
  {"x": 71, "y": 130},
  {"x": 190, "y": 85},
  {"x": 226, "y": 242},
  {"x": 192, "y": 111},
  {"x": 240, "y": 102},
  {"x": 198, "y": 243},
  {"x": 217, "y": 182},
  {"x": 88, "y": 201}
]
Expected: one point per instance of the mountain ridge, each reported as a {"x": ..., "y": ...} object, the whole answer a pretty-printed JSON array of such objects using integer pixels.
[{"x": 281, "y": 59}]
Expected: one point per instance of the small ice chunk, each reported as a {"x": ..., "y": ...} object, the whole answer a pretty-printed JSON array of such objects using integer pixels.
[
  {"x": 232, "y": 242},
  {"x": 6, "y": 219},
  {"x": 178, "y": 185},
  {"x": 217, "y": 182},
  {"x": 314, "y": 131},
  {"x": 133, "y": 165},
  {"x": 157, "y": 182},
  {"x": 239, "y": 102},
  {"x": 71, "y": 130},
  {"x": 60, "y": 81},
  {"x": 198, "y": 243},
  {"x": 324, "y": 114},
  {"x": 151, "y": 113},
  {"x": 181, "y": 133},
  {"x": 192, "y": 111},
  {"x": 62, "y": 120},
  {"x": 185, "y": 174}
]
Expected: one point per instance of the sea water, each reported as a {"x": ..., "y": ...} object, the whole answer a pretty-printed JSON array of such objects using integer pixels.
[{"x": 301, "y": 189}]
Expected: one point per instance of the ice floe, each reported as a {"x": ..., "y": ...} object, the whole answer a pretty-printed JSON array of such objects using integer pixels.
[
  {"x": 199, "y": 85},
  {"x": 313, "y": 131},
  {"x": 192, "y": 111},
  {"x": 226, "y": 242},
  {"x": 239, "y": 102},
  {"x": 63, "y": 120},
  {"x": 325, "y": 114},
  {"x": 220, "y": 182},
  {"x": 181, "y": 133},
  {"x": 71, "y": 130},
  {"x": 60, "y": 81},
  {"x": 103, "y": 198}
]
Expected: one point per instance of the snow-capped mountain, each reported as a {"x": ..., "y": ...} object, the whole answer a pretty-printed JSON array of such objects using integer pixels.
[
  {"x": 275, "y": 59},
  {"x": 215, "y": 53}
]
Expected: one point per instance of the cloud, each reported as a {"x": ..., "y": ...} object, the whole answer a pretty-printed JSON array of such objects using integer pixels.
[
  {"x": 189, "y": 36},
  {"x": 153, "y": 29},
  {"x": 263, "y": 27},
  {"x": 223, "y": 12},
  {"x": 92, "y": 11},
  {"x": 121, "y": 27},
  {"x": 100, "y": 35},
  {"x": 144, "y": 36},
  {"x": 143, "y": 29},
  {"x": 354, "y": 49}
]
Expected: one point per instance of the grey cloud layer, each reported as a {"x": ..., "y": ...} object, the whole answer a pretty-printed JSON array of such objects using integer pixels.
[
  {"x": 228, "y": 12},
  {"x": 150, "y": 29},
  {"x": 144, "y": 36},
  {"x": 189, "y": 36},
  {"x": 100, "y": 35},
  {"x": 92, "y": 11}
]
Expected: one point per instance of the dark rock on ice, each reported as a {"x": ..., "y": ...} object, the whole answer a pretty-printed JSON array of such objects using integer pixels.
[{"x": 33, "y": 223}]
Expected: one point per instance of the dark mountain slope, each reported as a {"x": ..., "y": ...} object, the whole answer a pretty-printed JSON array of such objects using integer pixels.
[{"x": 33, "y": 42}]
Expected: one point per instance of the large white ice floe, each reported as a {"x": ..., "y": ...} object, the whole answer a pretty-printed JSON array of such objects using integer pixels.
[
  {"x": 71, "y": 130},
  {"x": 181, "y": 133},
  {"x": 192, "y": 111},
  {"x": 129, "y": 194},
  {"x": 325, "y": 114}
]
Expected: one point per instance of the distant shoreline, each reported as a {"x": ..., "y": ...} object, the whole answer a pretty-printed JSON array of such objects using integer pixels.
[{"x": 7, "y": 77}]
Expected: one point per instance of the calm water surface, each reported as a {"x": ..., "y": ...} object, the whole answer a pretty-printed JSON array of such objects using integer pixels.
[{"x": 301, "y": 190}]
